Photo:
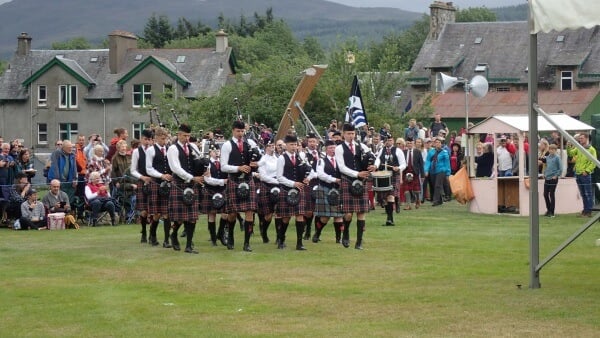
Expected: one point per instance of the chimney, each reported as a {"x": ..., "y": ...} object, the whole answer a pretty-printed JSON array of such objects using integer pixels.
[
  {"x": 118, "y": 44},
  {"x": 222, "y": 44},
  {"x": 441, "y": 14},
  {"x": 23, "y": 44}
]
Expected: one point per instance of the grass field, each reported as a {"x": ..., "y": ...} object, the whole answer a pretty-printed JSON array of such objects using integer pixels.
[{"x": 440, "y": 272}]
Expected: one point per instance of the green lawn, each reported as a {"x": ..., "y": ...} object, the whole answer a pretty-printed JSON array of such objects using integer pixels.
[{"x": 439, "y": 272}]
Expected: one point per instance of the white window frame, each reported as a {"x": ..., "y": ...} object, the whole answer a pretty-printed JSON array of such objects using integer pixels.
[
  {"x": 68, "y": 131},
  {"x": 137, "y": 128},
  {"x": 144, "y": 91},
  {"x": 67, "y": 97},
  {"x": 563, "y": 78},
  {"x": 42, "y": 99},
  {"x": 43, "y": 133}
]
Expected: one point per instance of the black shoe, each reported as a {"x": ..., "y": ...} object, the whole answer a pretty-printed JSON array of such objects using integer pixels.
[
  {"x": 153, "y": 241},
  {"x": 435, "y": 204},
  {"x": 300, "y": 248},
  {"x": 315, "y": 238},
  {"x": 143, "y": 240},
  {"x": 345, "y": 243},
  {"x": 214, "y": 243},
  {"x": 281, "y": 246},
  {"x": 190, "y": 250},
  {"x": 337, "y": 241},
  {"x": 229, "y": 246},
  {"x": 113, "y": 222},
  {"x": 175, "y": 242},
  {"x": 247, "y": 248},
  {"x": 166, "y": 245},
  {"x": 307, "y": 235},
  {"x": 389, "y": 223},
  {"x": 358, "y": 246}
]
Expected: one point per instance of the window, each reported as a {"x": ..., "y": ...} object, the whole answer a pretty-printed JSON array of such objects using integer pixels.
[
  {"x": 142, "y": 95},
  {"x": 94, "y": 59},
  {"x": 560, "y": 38},
  {"x": 478, "y": 40},
  {"x": 137, "y": 128},
  {"x": 503, "y": 89},
  {"x": 180, "y": 59},
  {"x": 67, "y": 131},
  {"x": 42, "y": 96},
  {"x": 566, "y": 80},
  {"x": 138, "y": 57},
  {"x": 481, "y": 67},
  {"x": 168, "y": 90},
  {"x": 42, "y": 137},
  {"x": 67, "y": 96}
]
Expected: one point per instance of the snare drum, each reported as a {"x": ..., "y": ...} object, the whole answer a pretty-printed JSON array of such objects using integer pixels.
[{"x": 382, "y": 180}]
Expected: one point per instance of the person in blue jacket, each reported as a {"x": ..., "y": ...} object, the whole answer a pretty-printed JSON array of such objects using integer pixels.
[{"x": 437, "y": 165}]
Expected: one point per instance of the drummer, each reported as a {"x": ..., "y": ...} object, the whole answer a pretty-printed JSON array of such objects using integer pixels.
[{"x": 391, "y": 159}]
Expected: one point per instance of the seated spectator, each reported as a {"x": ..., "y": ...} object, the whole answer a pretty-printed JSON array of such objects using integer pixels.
[
  {"x": 25, "y": 164},
  {"x": 32, "y": 213},
  {"x": 99, "y": 199},
  {"x": 17, "y": 195},
  {"x": 56, "y": 200}
]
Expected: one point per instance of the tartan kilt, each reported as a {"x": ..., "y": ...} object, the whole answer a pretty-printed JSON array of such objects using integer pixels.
[
  {"x": 395, "y": 181},
  {"x": 179, "y": 211},
  {"x": 141, "y": 199},
  {"x": 309, "y": 201},
  {"x": 415, "y": 185},
  {"x": 233, "y": 204},
  {"x": 157, "y": 204},
  {"x": 205, "y": 205},
  {"x": 284, "y": 209},
  {"x": 265, "y": 206},
  {"x": 351, "y": 203},
  {"x": 322, "y": 207}
]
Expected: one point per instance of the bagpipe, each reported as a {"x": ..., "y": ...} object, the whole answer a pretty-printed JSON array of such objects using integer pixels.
[
  {"x": 303, "y": 170},
  {"x": 366, "y": 159}
]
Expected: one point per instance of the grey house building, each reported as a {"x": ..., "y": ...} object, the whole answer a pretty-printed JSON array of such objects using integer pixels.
[{"x": 47, "y": 95}]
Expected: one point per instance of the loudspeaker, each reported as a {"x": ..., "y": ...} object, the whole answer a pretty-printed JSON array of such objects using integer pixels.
[
  {"x": 478, "y": 86},
  {"x": 445, "y": 82}
]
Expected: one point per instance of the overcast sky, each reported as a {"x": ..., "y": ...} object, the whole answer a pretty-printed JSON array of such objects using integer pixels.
[{"x": 422, "y": 6}]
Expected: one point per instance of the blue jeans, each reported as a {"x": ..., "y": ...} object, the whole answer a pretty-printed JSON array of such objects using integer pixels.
[
  {"x": 584, "y": 183},
  {"x": 505, "y": 173}
]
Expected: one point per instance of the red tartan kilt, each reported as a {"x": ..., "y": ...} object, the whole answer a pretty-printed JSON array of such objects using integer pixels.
[
  {"x": 141, "y": 199},
  {"x": 264, "y": 204},
  {"x": 284, "y": 209},
  {"x": 206, "y": 202},
  {"x": 415, "y": 185},
  {"x": 157, "y": 204},
  {"x": 178, "y": 211},
  {"x": 351, "y": 203},
  {"x": 234, "y": 204},
  {"x": 308, "y": 200}
]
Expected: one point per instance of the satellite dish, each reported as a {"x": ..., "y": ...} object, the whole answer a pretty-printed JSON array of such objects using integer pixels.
[
  {"x": 445, "y": 82},
  {"x": 478, "y": 86}
]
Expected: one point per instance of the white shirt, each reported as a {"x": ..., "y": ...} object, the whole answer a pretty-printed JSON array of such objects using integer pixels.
[
  {"x": 321, "y": 174},
  {"x": 399, "y": 156},
  {"x": 213, "y": 180},
  {"x": 150, "y": 154},
  {"x": 175, "y": 165},
  {"x": 280, "y": 166},
  {"x": 339, "y": 158},
  {"x": 135, "y": 157},
  {"x": 504, "y": 159},
  {"x": 225, "y": 152},
  {"x": 267, "y": 169}
]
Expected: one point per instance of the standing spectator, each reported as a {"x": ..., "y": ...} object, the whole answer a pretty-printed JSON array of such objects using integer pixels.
[
  {"x": 456, "y": 158},
  {"x": 485, "y": 161},
  {"x": 63, "y": 168},
  {"x": 93, "y": 140},
  {"x": 412, "y": 131},
  {"x": 551, "y": 174},
  {"x": 100, "y": 164},
  {"x": 436, "y": 126},
  {"x": 32, "y": 213},
  {"x": 121, "y": 134},
  {"x": 7, "y": 174},
  {"x": 81, "y": 160},
  {"x": 504, "y": 159},
  {"x": 25, "y": 165},
  {"x": 543, "y": 152},
  {"x": 422, "y": 131},
  {"x": 427, "y": 183},
  {"x": 437, "y": 166},
  {"x": 584, "y": 167}
]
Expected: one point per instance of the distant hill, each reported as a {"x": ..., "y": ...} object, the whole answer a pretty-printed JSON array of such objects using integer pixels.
[{"x": 60, "y": 20}]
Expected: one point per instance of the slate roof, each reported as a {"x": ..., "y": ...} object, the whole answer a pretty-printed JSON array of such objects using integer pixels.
[
  {"x": 205, "y": 69},
  {"x": 571, "y": 102},
  {"x": 504, "y": 48}
]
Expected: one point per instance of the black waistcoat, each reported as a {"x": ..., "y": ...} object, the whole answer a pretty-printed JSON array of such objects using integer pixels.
[
  {"x": 141, "y": 163},
  {"x": 330, "y": 170},
  {"x": 352, "y": 161},
  {"x": 392, "y": 160},
  {"x": 185, "y": 160},
  {"x": 293, "y": 172},
  {"x": 160, "y": 162}
]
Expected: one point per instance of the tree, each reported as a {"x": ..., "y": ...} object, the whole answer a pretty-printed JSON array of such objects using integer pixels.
[
  {"x": 475, "y": 14},
  {"x": 158, "y": 31},
  {"x": 74, "y": 43}
]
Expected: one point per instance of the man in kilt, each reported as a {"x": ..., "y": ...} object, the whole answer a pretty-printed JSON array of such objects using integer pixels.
[
  {"x": 267, "y": 170},
  {"x": 350, "y": 157},
  {"x": 138, "y": 170},
  {"x": 292, "y": 173},
  {"x": 391, "y": 159},
  {"x": 241, "y": 196},
  {"x": 329, "y": 178},
  {"x": 157, "y": 166},
  {"x": 311, "y": 155},
  {"x": 211, "y": 203},
  {"x": 181, "y": 208},
  {"x": 411, "y": 183}
]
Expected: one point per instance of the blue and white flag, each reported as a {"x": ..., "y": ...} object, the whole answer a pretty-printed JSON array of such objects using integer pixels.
[{"x": 356, "y": 112}]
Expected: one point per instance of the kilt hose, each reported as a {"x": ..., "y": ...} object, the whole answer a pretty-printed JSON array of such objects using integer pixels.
[
  {"x": 178, "y": 211},
  {"x": 141, "y": 199},
  {"x": 322, "y": 207},
  {"x": 207, "y": 194},
  {"x": 284, "y": 209},
  {"x": 234, "y": 204},
  {"x": 351, "y": 203},
  {"x": 265, "y": 206},
  {"x": 157, "y": 204}
]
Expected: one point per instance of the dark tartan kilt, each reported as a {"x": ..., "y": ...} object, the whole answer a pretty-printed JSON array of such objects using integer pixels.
[
  {"x": 178, "y": 211},
  {"x": 286, "y": 210},
  {"x": 322, "y": 207},
  {"x": 141, "y": 199},
  {"x": 265, "y": 206},
  {"x": 351, "y": 203},
  {"x": 309, "y": 201},
  {"x": 234, "y": 204},
  {"x": 206, "y": 202},
  {"x": 395, "y": 187},
  {"x": 157, "y": 204}
]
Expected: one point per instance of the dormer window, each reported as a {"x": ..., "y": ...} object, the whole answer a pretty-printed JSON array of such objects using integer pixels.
[
  {"x": 566, "y": 80},
  {"x": 560, "y": 38},
  {"x": 138, "y": 57},
  {"x": 478, "y": 40},
  {"x": 180, "y": 59},
  {"x": 94, "y": 59},
  {"x": 481, "y": 67}
]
